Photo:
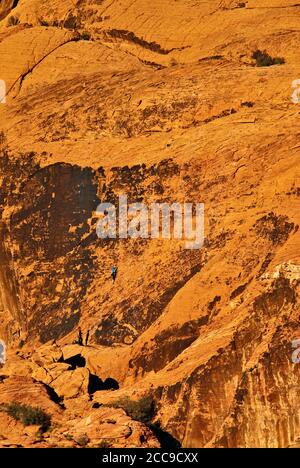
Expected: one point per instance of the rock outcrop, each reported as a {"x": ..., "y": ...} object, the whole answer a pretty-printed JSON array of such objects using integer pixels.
[
  {"x": 162, "y": 103},
  {"x": 97, "y": 427}
]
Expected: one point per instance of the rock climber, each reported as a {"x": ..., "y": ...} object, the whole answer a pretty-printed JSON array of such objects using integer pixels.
[
  {"x": 114, "y": 272},
  {"x": 80, "y": 341},
  {"x": 87, "y": 337}
]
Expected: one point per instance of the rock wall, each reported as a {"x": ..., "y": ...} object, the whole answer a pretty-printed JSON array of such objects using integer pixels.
[{"x": 162, "y": 103}]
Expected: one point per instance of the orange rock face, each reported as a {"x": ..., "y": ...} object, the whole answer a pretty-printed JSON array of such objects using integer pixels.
[{"x": 162, "y": 102}]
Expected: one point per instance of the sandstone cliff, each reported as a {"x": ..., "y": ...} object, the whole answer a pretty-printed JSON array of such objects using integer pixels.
[{"x": 160, "y": 101}]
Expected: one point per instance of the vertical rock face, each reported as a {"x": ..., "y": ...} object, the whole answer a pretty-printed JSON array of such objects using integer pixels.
[
  {"x": 47, "y": 212},
  {"x": 6, "y": 7},
  {"x": 248, "y": 386},
  {"x": 10, "y": 305},
  {"x": 110, "y": 99}
]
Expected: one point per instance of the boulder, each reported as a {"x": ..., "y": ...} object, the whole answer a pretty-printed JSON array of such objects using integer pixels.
[
  {"x": 49, "y": 373},
  {"x": 24, "y": 390},
  {"x": 71, "y": 384}
]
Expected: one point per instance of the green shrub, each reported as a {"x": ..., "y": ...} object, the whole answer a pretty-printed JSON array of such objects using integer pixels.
[
  {"x": 263, "y": 59},
  {"x": 141, "y": 410},
  {"x": 248, "y": 104},
  {"x": 85, "y": 36},
  {"x": 104, "y": 444},
  {"x": 13, "y": 21},
  {"x": 279, "y": 61},
  {"x": 82, "y": 440},
  {"x": 43, "y": 22},
  {"x": 28, "y": 415},
  {"x": 71, "y": 22}
]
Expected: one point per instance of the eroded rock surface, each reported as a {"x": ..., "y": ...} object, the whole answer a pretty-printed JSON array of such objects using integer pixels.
[{"x": 162, "y": 103}]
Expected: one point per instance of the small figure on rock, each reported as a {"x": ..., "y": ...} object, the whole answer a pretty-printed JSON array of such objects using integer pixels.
[
  {"x": 80, "y": 340},
  {"x": 87, "y": 338},
  {"x": 114, "y": 272}
]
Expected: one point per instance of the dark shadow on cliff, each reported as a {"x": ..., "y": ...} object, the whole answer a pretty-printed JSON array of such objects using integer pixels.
[
  {"x": 166, "y": 440},
  {"x": 75, "y": 361},
  {"x": 96, "y": 384},
  {"x": 54, "y": 397}
]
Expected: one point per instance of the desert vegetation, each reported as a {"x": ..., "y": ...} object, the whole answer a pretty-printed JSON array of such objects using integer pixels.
[
  {"x": 263, "y": 59},
  {"x": 142, "y": 410},
  {"x": 28, "y": 415}
]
